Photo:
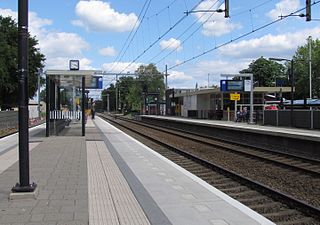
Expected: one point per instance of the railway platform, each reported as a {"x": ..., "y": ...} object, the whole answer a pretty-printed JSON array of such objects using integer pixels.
[
  {"x": 272, "y": 130},
  {"x": 107, "y": 177},
  {"x": 293, "y": 140}
]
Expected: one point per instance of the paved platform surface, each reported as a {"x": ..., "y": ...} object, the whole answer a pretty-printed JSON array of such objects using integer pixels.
[
  {"x": 108, "y": 177},
  {"x": 58, "y": 166},
  {"x": 182, "y": 197},
  {"x": 272, "y": 130}
]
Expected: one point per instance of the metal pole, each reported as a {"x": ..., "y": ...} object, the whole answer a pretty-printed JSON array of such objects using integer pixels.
[
  {"x": 39, "y": 74},
  {"x": 310, "y": 68},
  {"x": 108, "y": 105},
  {"x": 24, "y": 185},
  {"x": 292, "y": 94},
  {"x": 47, "y": 106},
  {"x": 165, "y": 91},
  {"x": 119, "y": 99},
  {"x": 166, "y": 77},
  {"x": 116, "y": 93},
  {"x": 251, "y": 99},
  {"x": 235, "y": 110},
  {"x": 83, "y": 106}
]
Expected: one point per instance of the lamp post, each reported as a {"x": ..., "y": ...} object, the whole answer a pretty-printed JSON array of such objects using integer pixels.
[
  {"x": 24, "y": 185},
  {"x": 292, "y": 85},
  {"x": 310, "y": 67}
]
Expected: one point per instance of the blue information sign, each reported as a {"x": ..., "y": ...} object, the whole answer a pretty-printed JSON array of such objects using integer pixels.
[
  {"x": 231, "y": 85},
  {"x": 223, "y": 85},
  {"x": 96, "y": 83}
]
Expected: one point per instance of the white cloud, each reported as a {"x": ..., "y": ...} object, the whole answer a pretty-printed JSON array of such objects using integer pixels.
[
  {"x": 219, "y": 26},
  {"x": 270, "y": 45},
  {"x": 117, "y": 67},
  {"x": 8, "y": 12},
  {"x": 172, "y": 44},
  {"x": 283, "y": 8},
  {"x": 108, "y": 51},
  {"x": 63, "y": 44},
  {"x": 214, "y": 24},
  {"x": 198, "y": 73},
  {"x": 85, "y": 64},
  {"x": 217, "y": 67},
  {"x": 58, "y": 47},
  {"x": 36, "y": 23},
  {"x": 99, "y": 16},
  {"x": 62, "y": 63},
  {"x": 178, "y": 75}
]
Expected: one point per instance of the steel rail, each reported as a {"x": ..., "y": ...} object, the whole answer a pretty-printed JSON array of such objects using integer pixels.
[
  {"x": 272, "y": 193},
  {"x": 232, "y": 149}
]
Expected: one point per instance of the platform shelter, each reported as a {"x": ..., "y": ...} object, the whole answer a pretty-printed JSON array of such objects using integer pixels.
[{"x": 66, "y": 101}]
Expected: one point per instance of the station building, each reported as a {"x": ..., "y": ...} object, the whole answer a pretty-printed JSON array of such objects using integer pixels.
[{"x": 211, "y": 103}]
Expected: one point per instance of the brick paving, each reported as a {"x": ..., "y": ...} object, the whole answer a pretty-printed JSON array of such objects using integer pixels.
[
  {"x": 111, "y": 200},
  {"x": 65, "y": 168},
  {"x": 59, "y": 167}
]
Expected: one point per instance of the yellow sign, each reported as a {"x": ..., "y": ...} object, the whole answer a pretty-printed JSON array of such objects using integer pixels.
[{"x": 235, "y": 97}]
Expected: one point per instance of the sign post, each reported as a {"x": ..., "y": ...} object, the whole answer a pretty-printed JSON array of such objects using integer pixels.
[
  {"x": 235, "y": 97},
  {"x": 230, "y": 85}
]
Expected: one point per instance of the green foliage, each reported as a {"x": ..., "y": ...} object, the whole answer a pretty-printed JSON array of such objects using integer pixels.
[
  {"x": 265, "y": 71},
  {"x": 43, "y": 95},
  {"x": 133, "y": 90},
  {"x": 150, "y": 80},
  {"x": 112, "y": 98},
  {"x": 301, "y": 70},
  {"x": 9, "y": 63}
]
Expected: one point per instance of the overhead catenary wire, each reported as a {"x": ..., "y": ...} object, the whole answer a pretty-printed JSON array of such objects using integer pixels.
[
  {"x": 160, "y": 37},
  {"x": 162, "y": 10},
  {"x": 125, "y": 47},
  {"x": 239, "y": 37},
  {"x": 185, "y": 31},
  {"x": 251, "y": 9},
  {"x": 122, "y": 52},
  {"x": 248, "y": 10},
  {"x": 188, "y": 37}
]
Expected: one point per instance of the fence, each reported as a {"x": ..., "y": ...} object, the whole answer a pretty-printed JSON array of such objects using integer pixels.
[
  {"x": 308, "y": 119},
  {"x": 8, "y": 120}
]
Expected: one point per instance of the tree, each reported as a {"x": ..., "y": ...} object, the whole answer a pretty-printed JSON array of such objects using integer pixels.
[
  {"x": 265, "y": 71},
  {"x": 9, "y": 63},
  {"x": 134, "y": 90},
  {"x": 112, "y": 98},
  {"x": 301, "y": 70},
  {"x": 43, "y": 95}
]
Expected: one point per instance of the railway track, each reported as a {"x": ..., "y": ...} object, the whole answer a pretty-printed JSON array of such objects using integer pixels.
[
  {"x": 7, "y": 132},
  {"x": 275, "y": 204},
  {"x": 303, "y": 164}
]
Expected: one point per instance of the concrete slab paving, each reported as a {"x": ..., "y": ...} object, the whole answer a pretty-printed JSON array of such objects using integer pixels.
[
  {"x": 183, "y": 197},
  {"x": 110, "y": 198},
  {"x": 58, "y": 166}
]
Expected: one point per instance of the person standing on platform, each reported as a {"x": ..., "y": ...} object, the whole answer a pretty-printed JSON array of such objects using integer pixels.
[{"x": 93, "y": 111}]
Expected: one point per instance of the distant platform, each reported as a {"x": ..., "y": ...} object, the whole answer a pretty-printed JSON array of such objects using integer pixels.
[{"x": 299, "y": 141}]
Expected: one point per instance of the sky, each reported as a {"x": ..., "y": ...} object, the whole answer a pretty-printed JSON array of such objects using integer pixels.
[{"x": 118, "y": 36}]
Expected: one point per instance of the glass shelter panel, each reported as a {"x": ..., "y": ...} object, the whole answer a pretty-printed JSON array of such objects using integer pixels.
[{"x": 65, "y": 105}]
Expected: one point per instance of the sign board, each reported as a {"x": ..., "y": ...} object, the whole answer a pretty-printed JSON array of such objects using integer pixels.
[
  {"x": 235, "y": 97},
  {"x": 231, "y": 85},
  {"x": 281, "y": 82},
  {"x": 96, "y": 82},
  {"x": 247, "y": 85},
  {"x": 223, "y": 85}
]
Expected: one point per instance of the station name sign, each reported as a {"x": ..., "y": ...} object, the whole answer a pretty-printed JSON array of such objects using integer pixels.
[
  {"x": 231, "y": 85},
  {"x": 96, "y": 83}
]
